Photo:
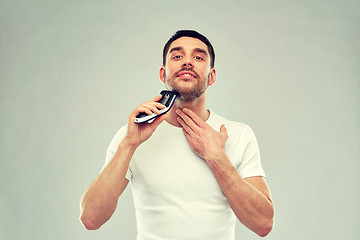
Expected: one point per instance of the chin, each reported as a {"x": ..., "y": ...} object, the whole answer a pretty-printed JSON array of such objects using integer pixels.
[
  {"x": 187, "y": 90},
  {"x": 189, "y": 96}
]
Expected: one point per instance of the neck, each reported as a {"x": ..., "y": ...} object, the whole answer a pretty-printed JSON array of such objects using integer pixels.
[{"x": 198, "y": 106}]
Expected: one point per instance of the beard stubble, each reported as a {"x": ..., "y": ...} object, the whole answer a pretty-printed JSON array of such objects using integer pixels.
[{"x": 187, "y": 94}]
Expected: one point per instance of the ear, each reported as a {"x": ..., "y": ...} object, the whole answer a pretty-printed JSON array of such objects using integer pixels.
[
  {"x": 162, "y": 74},
  {"x": 212, "y": 77}
]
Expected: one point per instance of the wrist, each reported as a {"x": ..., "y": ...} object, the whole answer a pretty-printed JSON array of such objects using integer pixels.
[
  {"x": 216, "y": 158},
  {"x": 129, "y": 144}
]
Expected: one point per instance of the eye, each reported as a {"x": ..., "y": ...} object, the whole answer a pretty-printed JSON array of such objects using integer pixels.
[
  {"x": 176, "y": 57},
  {"x": 198, "y": 58}
]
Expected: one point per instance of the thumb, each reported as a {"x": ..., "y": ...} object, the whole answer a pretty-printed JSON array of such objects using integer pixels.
[{"x": 223, "y": 130}]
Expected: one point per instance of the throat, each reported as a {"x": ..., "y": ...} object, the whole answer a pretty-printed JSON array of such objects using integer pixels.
[{"x": 198, "y": 109}]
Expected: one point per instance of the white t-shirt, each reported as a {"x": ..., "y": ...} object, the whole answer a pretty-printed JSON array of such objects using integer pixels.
[{"x": 176, "y": 196}]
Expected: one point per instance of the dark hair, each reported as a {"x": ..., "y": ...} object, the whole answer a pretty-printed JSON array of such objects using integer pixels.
[{"x": 193, "y": 34}]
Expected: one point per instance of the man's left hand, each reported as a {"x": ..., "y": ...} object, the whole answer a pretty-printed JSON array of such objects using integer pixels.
[{"x": 203, "y": 139}]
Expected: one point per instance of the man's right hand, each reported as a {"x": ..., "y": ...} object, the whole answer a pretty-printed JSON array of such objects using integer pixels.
[{"x": 139, "y": 132}]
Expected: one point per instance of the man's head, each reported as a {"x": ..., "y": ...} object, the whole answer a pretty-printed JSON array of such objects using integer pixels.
[
  {"x": 188, "y": 64},
  {"x": 192, "y": 34}
]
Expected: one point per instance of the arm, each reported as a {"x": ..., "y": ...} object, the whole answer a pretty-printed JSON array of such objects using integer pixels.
[
  {"x": 249, "y": 198},
  {"x": 100, "y": 199}
]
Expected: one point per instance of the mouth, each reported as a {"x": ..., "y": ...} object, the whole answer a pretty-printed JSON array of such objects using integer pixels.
[{"x": 186, "y": 74}]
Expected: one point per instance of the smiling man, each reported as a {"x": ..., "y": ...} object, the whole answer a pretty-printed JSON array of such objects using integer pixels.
[{"x": 192, "y": 171}]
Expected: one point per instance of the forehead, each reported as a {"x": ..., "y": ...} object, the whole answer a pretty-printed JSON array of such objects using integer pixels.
[{"x": 188, "y": 43}]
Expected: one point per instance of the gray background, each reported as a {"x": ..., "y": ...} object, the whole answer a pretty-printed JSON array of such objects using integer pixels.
[{"x": 71, "y": 72}]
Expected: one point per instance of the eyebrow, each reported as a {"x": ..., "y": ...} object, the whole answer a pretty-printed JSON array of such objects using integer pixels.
[
  {"x": 200, "y": 50},
  {"x": 175, "y": 49}
]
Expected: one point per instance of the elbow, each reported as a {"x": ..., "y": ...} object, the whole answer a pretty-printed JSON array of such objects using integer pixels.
[
  {"x": 267, "y": 224},
  {"x": 265, "y": 229},
  {"x": 88, "y": 223}
]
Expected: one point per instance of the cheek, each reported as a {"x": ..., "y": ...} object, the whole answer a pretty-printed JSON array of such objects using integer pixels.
[
  {"x": 205, "y": 72},
  {"x": 170, "y": 70}
]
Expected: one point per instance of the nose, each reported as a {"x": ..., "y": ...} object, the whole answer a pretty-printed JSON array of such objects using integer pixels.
[{"x": 187, "y": 62}]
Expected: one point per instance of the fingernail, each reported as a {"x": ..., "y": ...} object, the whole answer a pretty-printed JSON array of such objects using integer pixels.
[{"x": 178, "y": 111}]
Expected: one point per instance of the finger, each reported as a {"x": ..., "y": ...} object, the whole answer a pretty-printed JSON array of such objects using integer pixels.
[
  {"x": 157, "y": 98},
  {"x": 151, "y": 107},
  {"x": 138, "y": 110},
  {"x": 196, "y": 119},
  {"x": 187, "y": 135},
  {"x": 159, "y": 105},
  {"x": 147, "y": 107},
  {"x": 184, "y": 126},
  {"x": 143, "y": 109},
  {"x": 155, "y": 104},
  {"x": 223, "y": 131},
  {"x": 189, "y": 122}
]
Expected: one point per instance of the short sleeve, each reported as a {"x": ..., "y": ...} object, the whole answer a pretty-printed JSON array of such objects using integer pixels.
[
  {"x": 250, "y": 165},
  {"x": 119, "y": 136}
]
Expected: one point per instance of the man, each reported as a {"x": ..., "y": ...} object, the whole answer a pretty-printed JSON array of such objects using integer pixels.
[{"x": 192, "y": 172}]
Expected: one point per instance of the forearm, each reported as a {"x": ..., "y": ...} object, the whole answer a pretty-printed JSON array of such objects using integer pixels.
[
  {"x": 252, "y": 207},
  {"x": 100, "y": 199}
]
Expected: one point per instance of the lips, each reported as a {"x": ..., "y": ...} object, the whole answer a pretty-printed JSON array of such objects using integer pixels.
[{"x": 186, "y": 74}]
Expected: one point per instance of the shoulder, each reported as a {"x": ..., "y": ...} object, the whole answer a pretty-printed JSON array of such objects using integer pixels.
[
  {"x": 119, "y": 136},
  {"x": 238, "y": 132},
  {"x": 216, "y": 121}
]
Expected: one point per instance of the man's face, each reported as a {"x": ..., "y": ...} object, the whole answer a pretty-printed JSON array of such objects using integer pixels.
[{"x": 187, "y": 68}]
